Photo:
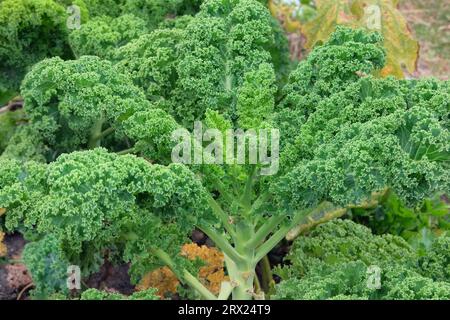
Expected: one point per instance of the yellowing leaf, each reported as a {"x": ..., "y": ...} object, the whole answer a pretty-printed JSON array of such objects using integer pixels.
[
  {"x": 3, "y": 249},
  {"x": 377, "y": 15},
  {"x": 211, "y": 275},
  {"x": 330, "y": 13},
  {"x": 402, "y": 50},
  {"x": 163, "y": 279},
  {"x": 2, "y": 211}
]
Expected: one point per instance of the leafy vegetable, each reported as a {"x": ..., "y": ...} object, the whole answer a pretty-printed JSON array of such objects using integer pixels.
[
  {"x": 156, "y": 11},
  {"x": 94, "y": 294},
  {"x": 151, "y": 61},
  {"x": 104, "y": 185},
  {"x": 363, "y": 134},
  {"x": 70, "y": 103},
  {"x": 89, "y": 200},
  {"x": 219, "y": 46},
  {"x": 47, "y": 265},
  {"x": 8, "y": 124},
  {"x": 30, "y": 30},
  {"x": 101, "y": 35},
  {"x": 319, "y": 21},
  {"x": 419, "y": 226},
  {"x": 334, "y": 262}
]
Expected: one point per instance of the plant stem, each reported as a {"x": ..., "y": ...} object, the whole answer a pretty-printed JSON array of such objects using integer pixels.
[
  {"x": 197, "y": 285},
  {"x": 260, "y": 201},
  {"x": 266, "y": 274},
  {"x": 264, "y": 249},
  {"x": 105, "y": 133},
  {"x": 302, "y": 228},
  {"x": 184, "y": 276},
  {"x": 225, "y": 291},
  {"x": 247, "y": 196},
  {"x": 265, "y": 230},
  {"x": 279, "y": 235},
  {"x": 242, "y": 278},
  {"x": 257, "y": 285},
  {"x": 222, "y": 216},
  {"x": 222, "y": 189},
  {"x": 94, "y": 142},
  {"x": 126, "y": 151},
  {"x": 222, "y": 244}
]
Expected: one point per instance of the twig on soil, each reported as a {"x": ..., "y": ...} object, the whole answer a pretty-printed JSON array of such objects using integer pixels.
[{"x": 28, "y": 286}]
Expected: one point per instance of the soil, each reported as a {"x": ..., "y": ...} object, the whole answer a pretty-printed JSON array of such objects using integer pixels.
[{"x": 13, "y": 277}]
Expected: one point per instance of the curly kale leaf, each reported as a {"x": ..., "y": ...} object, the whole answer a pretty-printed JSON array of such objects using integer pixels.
[
  {"x": 436, "y": 263},
  {"x": 348, "y": 281},
  {"x": 20, "y": 187},
  {"x": 30, "y": 30},
  {"x": 95, "y": 8},
  {"x": 333, "y": 262},
  {"x": 407, "y": 151},
  {"x": 329, "y": 68},
  {"x": 46, "y": 262},
  {"x": 221, "y": 44},
  {"x": 94, "y": 200},
  {"x": 151, "y": 60},
  {"x": 94, "y": 294},
  {"x": 70, "y": 102},
  {"x": 202, "y": 62},
  {"x": 26, "y": 145},
  {"x": 153, "y": 132},
  {"x": 357, "y": 134},
  {"x": 343, "y": 241},
  {"x": 8, "y": 125},
  {"x": 256, "y": 98},
  {"x": 155, "y": 12},
  {"x": 100, "y": 36}
]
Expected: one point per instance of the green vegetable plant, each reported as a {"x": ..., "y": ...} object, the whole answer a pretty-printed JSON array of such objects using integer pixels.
[
  {"x": 74, "y": 105},
  {"x": 9, "y": 121},
  {"x": 100, "y": 36},
  {"x": 419, "y": 226},
  {"x": 93, "y": 294},
  {"x": 107, "y": 186},
  {"x": 202, "y": 65},
  {"x": 335, "y": 261},
  {"x": 47, "y": 265},
  {"x": 30, "y": 30}
]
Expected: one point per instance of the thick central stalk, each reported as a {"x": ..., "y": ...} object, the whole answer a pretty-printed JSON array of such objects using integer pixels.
[
  {"x": 242, "y": 280},
  {"x": 242, "y": 273},
  {"x": 96, "y": 130}
]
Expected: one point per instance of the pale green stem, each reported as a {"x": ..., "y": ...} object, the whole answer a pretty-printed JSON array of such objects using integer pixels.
[
  {"x": 104, "y": 134},
  {"x": 126, "y": 151},
  {"x": 225, "y": 290},
  {"x": 95, "y": 132},
  {"x": 224, "y": 218},
  {"x": 259, "y": 202},
  {"x": 247, "y": 196},
  {"x": 276, "y": 238},
  {"x": 184, "y": 276},
  {"x": 222, "y": 244},
  {"x": 222, "y": 189},
  {"x": 265, "y": 230},
  {"x": 267, "y": 276},
  {"x": 242, "y": 279}
]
